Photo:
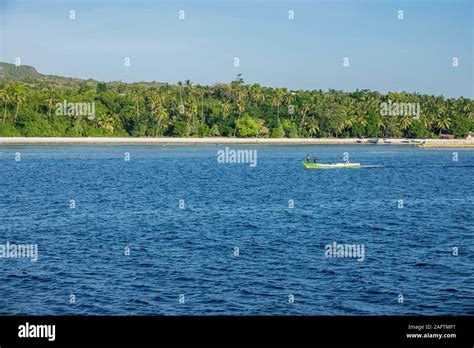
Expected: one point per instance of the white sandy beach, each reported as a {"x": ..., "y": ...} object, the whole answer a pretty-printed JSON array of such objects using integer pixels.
[
  {"x": 230, "y": 141},
  {"x": 431, "y": 143}
]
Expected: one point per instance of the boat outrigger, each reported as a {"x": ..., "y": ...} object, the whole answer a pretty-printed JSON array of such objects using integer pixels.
[{"x": 330, "y": 166}]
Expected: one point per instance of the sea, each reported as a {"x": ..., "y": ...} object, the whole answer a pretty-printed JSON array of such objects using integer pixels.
[{"x": 186, "y": 230}]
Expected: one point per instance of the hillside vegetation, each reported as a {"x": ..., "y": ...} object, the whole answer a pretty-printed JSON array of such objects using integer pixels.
[{"x": 33, "y": 104}]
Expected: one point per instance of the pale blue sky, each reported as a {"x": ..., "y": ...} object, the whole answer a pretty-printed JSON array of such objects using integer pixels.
[{"x": 385, "y": 53}]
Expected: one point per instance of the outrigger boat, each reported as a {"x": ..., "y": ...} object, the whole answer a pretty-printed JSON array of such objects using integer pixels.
[{"x": 330, "y": 166}]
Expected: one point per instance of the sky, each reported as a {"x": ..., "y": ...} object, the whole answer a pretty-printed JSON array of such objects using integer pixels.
[{"x": 385, "y": 53}]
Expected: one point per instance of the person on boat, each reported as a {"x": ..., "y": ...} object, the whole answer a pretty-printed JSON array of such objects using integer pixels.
[
  {"x": 307, "y": 157},
  {"x": 315, "y": 161}
]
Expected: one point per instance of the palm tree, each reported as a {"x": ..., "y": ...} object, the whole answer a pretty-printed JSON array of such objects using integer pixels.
[
  {"x": 277, "y": 101},
  {"x": 137, "y": 98},
  {"x": 339, "y": 126},
  {"x": 6, "y": 98},
  {"x": 381, "y": 125},
  {"x": 158, "y": 110},
  {"x": 429, "y": 116},
  {"x": 405, "y": 122},
  {"x": 240, "y": 109},
  {"x": 361, "y": 121},
  {"x": 180, "y": 88},
  {"x": 161, "y": 114},
  {"x": 107, "y": 122},
  {"x": 305, "y": 107},
  {"x": 288, "y": 100},
  {"x": 254, "y": 92},
  {"x": 154, "y": 102},
  {"x": 203, "y": 116},
  {"x": 171, "y": 98},
  {"x": 225, "y": 106},
  {"x": 191, "y": 112},
  {"x": 443, "y": 122},
  {"x": 353, "y": 122},
  {"x": 49, "y": 102},
  {"x": 19, "y": 98},
  {"x": 236, "y": 86},
  {"x": 470, "y": 116},
  {"x": 260, "y": 95},
  {"x": 313, "y": 126},
  {"x": 348, "y": 123}
]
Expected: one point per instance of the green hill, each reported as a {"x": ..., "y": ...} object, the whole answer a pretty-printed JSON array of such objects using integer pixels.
[
  {"x": 11, "y": 71},
  {"x": 26, "y": 73}
]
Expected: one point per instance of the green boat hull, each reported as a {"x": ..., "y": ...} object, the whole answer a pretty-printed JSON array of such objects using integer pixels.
[{"x": 330, "y": 166}]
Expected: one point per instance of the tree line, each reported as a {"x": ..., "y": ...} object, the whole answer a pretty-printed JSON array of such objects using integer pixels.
[{"x": 30, "y": 108}]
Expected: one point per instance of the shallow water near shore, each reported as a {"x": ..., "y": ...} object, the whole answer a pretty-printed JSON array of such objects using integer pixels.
[{"x": 408, "y": 211}]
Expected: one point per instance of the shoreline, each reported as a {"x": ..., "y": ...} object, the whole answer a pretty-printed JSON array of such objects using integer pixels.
[{"x": 422, "y": 143}]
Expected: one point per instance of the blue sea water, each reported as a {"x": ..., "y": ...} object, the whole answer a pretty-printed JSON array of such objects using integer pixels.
[{"x": 408, "y": 244}]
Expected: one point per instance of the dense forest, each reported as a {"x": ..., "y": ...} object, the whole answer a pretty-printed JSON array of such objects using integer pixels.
[{"x": 33, "y": 104}]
